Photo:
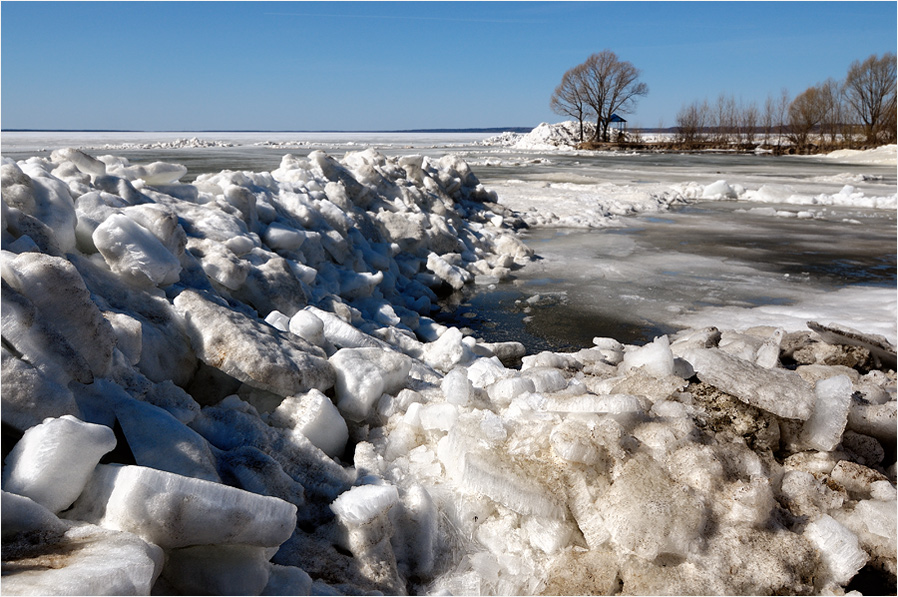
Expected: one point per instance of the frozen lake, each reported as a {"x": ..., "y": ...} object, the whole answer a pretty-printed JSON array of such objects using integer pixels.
[
  {"x": 631, "y": 246},
  {"x": 704, "y": 264}
]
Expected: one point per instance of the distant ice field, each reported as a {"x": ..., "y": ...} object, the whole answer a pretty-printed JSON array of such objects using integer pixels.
[{"x": 631, "y": 245}]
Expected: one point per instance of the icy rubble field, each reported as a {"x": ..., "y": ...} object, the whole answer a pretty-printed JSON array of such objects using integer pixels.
[{"x": 234, "y": 387}]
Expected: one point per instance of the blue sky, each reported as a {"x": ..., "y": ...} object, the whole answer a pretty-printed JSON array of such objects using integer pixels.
[{"x": 408, "y": 65}]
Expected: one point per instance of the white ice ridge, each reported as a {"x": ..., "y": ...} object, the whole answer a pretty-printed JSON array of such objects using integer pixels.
[{"x": 235, "y": 386}]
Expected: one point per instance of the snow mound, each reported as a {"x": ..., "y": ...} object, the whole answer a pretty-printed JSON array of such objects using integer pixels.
[
  {"x": 545, "y": 137},
  {"x": 887, "y": 155}
]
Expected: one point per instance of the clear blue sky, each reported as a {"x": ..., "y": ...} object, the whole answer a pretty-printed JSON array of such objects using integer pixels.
[{"x": 389, "y": 66}]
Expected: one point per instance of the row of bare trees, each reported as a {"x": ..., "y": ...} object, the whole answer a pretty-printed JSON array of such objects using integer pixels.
[
  {"x": 598, "y": 88},
  {"x": 859, "y": 109}
]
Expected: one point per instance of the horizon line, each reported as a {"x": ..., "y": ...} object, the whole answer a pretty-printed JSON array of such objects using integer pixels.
[
  {"x": 496, "y": 129},
  {"x": 433, "y": 130}
]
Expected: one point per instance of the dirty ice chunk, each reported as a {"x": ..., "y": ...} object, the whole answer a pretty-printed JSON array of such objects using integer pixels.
[
  {"x": 58, "y": 291},
  {"x": 783, "y": 393},
  {"x": 879, "y": 346},
  {"x": 876, "y": 420},
  {"x": 175, "y": 511},
  {"x": 287, "y": 580},
  {"x": 97, "y": 561},
  {"x": 158, "y": 440},
  {"x": 29, "y": 396},
  {"x": 24, "y": 515},
  {"x": 649, "y": 514},
  {"x": 251, "y": 351},
  {"x": 53, "y": 461}
]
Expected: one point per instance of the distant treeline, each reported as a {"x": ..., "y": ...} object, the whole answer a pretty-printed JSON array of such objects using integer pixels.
[{"x": 858, "y": 111}]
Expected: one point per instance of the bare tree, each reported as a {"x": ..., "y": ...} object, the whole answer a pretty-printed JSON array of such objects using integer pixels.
[
  {"x": 612, "y": 86},
  {"x": 748, "y": 122},
  {"x": 570, "y": 98},
  {"x": 806, "y": 112},
  {"x": 870, "y": 91},
  {"x": 691, "y": 123},
  {"x": 768, "y": 118},
  {"x": 719, "y": 121},
  {"x": 782, "y": 110},
  {"x": 727, "y": 119},
  {"x": 889, "y": 130},
  {"x": 831, "y": 125}
]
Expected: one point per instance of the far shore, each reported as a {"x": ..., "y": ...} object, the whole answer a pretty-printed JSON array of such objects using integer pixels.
[{"x": 715, "y": 147}]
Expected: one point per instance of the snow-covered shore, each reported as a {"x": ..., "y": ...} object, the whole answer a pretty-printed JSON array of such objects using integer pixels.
[
  {"x": 233, "y": 386},
  {"x": 584, "y": 203}
]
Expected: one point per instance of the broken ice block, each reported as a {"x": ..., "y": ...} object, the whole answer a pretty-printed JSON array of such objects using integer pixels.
[
  {"x": 174, "y": 511},
  {"x": 875, "y": 420},
  {"x": 315, "y": 416},
  {"x": 838, "y": 548},
  {"x": 217, "y": 569},
  {"x": 288, "y": 580},
  {"x": 54, "y": 460},
  {"x": 456, "y": 387},
  {"x": 363, "y": 375},
  {"x": 416, "y": 531},
  {"x": 547, "y": 534},
  {"x": 362, "y": 504},
  {"x": 24, "y": 515},
  {"x": 86, "y": 560},
  {"x": 656, "y": 358},
  {"x": 510, "y": 490},
  {"x": 503, "y": 391},
  {"x": 823, "y": 430},
  {"x": 570, "y": 441},
  {"x": 783, "y": 393},
  {"x": 249, "y": 350},
  {"x": 438, "y": 416},
  {"x": 363, "y": 513},
  {"x": 857, "y": 479},
  {"x": 447, "y": 351},
  {"x": 134, "y": 253}
]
